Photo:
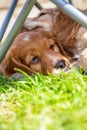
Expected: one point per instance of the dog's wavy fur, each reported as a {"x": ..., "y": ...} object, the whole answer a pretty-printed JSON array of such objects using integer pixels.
[
  {"x": 34, "y": 52},
  {"x": 69, "y": 34},
  {"x": 47, "y": 42}
]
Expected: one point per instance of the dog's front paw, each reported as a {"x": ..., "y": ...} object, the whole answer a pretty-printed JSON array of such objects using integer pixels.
[{"x": 16, "y": 76}]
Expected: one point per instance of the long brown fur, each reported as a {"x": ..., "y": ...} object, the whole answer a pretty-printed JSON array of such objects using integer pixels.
[
  {"x": 63, "y": 28},
  {"x": 52, "y": 36}
]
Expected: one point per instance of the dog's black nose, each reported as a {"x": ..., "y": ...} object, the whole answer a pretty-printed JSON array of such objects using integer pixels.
[{"x": 60, "y": 64}]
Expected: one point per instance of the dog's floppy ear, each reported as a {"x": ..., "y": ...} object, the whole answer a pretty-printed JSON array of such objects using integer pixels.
[
  {"x": 20, "y": 65},
  {"x": 6, "y": 66}
]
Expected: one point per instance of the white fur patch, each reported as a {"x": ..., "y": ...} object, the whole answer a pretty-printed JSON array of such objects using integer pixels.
[
  {"x": 82, "y": 34},
  {"x": 34, "y": 24},
  {"x": 81, "y": 37},
  {"x": 26, "y": 38},
  {"x": 56, "y": 71},
  {"x": 85, "y": 36}
]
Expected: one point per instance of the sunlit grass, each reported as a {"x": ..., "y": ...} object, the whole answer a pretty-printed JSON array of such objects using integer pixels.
[{"x": 44, "y": 102}]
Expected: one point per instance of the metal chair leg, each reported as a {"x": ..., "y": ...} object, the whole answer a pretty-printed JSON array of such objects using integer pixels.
[
  {"x": 71, "y": 11},
  {"x": 16, "y": 27},
  {"x": 70, "y": 1},
  {"x": 38, "y": 6},
  {"x": 7, "y": 18}
]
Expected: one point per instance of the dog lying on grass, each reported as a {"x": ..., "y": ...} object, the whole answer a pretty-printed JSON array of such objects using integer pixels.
[
  {"x": 47, "y": 43},
  {"x": 34, "y": 52}
]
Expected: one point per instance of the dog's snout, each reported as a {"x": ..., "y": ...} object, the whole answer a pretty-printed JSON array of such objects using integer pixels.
[{"x": 60, "y": 64}]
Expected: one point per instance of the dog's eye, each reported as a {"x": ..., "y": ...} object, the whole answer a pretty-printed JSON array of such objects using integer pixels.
[
  {"x": 35, "y": 59},
  {"x": 52, "y": 46}
]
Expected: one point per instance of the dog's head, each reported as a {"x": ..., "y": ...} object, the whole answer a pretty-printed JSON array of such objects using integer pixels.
[{"x": 34, "y": 52}]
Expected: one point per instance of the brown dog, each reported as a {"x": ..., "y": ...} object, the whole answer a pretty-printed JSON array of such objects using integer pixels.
[
  {"x": 69, "y": 34},
  {"x": 34, "y": 52},
  {"x": 48, "y": 42}
]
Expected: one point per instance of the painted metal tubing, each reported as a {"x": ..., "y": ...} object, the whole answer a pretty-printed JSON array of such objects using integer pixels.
[
  {"x": 70, "y": 1},
  {"x": 16, "y": 27},
  {"x": 71, "y": 11},
  {"x": 38, "y": 5},
  {"x": 7, "y": 18}
]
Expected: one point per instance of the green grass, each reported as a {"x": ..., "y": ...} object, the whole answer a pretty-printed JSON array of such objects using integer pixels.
[{"x": 44, "y": 102}]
